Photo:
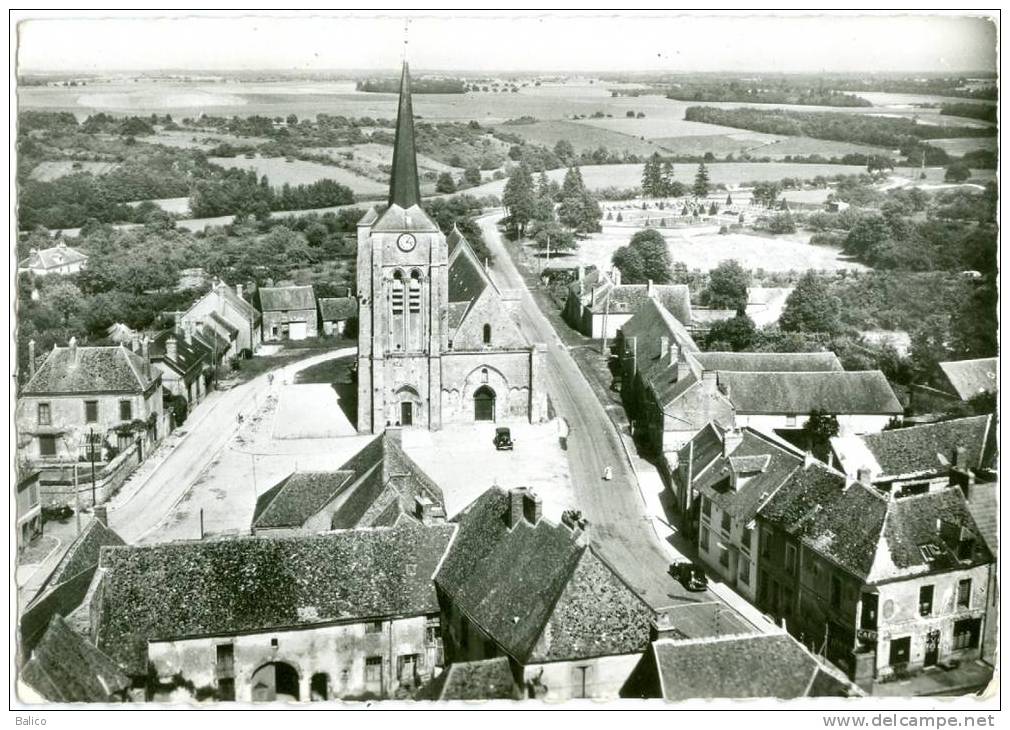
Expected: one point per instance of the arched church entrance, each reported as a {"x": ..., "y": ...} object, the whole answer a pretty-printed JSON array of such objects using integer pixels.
[
  {"x": 408, "y": 408},
  {"x": 275, "y": 681},
  {"x": 483, "y": 404}
]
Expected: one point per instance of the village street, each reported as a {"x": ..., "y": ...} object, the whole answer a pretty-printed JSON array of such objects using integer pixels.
[
  {"x": 144, "y": 503},
  {"x": 621, "y": 526}
]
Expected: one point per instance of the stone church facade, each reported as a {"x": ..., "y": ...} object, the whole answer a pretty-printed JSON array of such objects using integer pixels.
[{"x": 436, "y": 343}]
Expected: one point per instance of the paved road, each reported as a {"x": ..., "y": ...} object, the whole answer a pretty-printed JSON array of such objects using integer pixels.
[
  {"x": 621, "y": 530},
  {"x": 140, "y": 507}
]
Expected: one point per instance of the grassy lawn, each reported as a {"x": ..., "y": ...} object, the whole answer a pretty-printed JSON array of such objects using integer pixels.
[{"x": 291, "y": 352}]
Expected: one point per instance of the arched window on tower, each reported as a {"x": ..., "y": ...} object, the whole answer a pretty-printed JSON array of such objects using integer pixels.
[
  {"x": 483, "y": 375},
  {"x": 487, "y": 334},
  {"x": 415, "y": 291}
]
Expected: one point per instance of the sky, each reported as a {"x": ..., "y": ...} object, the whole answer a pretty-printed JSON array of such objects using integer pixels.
[{"x": 644, "y": 42}]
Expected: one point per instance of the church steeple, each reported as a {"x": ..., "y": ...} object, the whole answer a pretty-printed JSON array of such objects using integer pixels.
[{"x": 404, "y": 188}]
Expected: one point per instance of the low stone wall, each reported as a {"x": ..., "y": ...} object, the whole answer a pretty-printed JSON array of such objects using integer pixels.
[{"x": 56, "y": 483}]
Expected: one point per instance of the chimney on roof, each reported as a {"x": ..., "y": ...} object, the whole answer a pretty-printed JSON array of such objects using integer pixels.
[
  {"x": 238, "y": 290},
  {"x": 615, "y": 276},
  {"x": 135, "y": 342},
  {"x": 961, "y": 457},
  {"x": 650, "y": 288},
  {"x": 422, "y": 509},
  {"x": 72, "y": 345},
  {"x": 145, "y": 347},
  {"x": 171, "y": 348},
  {"x": 269, "y": 282},
  {"x": 808, "y": 459},
  {"x": 664, "y": 347},
  {"x": 524, "y": 505},
  {"x": 676, "y": 355},
  {"x": 102, "y": 514},
  {"x": 863, "y": 477},
  {"x": 581, "y": 272},
  {"x": 731, "y": 438},
  {"x": 31, "y": 358}
]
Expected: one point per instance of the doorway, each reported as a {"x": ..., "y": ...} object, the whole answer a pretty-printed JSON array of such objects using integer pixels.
[
  {"x": 483, "y": 404},
  {"x": 932, "y": 649},
  {"x": 275, "y": 681},
  {"x": 406, "y": 414}
]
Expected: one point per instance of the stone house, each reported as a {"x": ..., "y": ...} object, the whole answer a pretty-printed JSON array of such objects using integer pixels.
[
  {"x": 227, "y": 315},
  {"x": 59, "y": 259},
  {"x": 726, "y": 477},
  {"x": 289, "y": 312},
  {"x": 182, "y": 362},
  {"x": 349, "y": 614},
  {"x": 336, "y": 312},
  {"x": 598, "y": 304},
  {"x": 882, "y": 585},
  {"x": 88, "y": 402},
  {"x": 515, "y": 585},
  {"x": 376, "y": 487}
]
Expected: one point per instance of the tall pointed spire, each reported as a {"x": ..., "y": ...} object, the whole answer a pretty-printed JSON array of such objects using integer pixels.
[{"x": 404, "y": 187}]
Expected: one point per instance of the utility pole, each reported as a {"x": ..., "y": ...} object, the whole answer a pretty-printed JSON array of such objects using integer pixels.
[
  {"x": 77, "y": 501},
  {"x": 91, "y": 453},
  {"x": 548, "y": 251},
  {"x": 606, "y": 315},
  {"x": 255, "y": 489}
]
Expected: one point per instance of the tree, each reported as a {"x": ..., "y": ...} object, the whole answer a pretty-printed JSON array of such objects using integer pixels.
[
  {"x": 701, "y": 184},
  {"x": 727, "y": 286},
  {"x": 878, "y": 163},
  {"x": 645, "y": 258},
  {"x": 729, "y": 200},
  {"x": 713, "y": 209},
  {"x": 445, "y": 184},
  {"x": 765, "y": 193},
  {"x": 819, "y": 429},
  {"x": 65, "y": 298},
  {"x": 867, "y": 235},
  {"x": 811, "y": 307},
  {"x": 782, "y": 223},
  {"x": 957, "y": 172},
  {"x": 519, "y": 199},
  {"x": 737, "y": 332},
  {"x": 564, "y": 151},
  {"x": 667, "y": 179},
  {"x": 471, "y": 176},
  {"x": 572, "y": 187},
  {"x": 652, "y": 177}
]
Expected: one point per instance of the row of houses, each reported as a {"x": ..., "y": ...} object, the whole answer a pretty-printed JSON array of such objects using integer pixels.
[{"x": 355, "y": 585}]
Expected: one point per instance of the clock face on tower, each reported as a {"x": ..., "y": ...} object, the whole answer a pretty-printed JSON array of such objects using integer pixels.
[{"x": 406, "y": 242}]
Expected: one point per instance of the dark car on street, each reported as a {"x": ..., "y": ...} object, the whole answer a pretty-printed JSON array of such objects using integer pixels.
[
  {"x": 690, "y": 575},
  {"x": 503, "y": 439}
]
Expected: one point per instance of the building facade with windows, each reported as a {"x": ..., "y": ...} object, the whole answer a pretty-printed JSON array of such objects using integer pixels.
[
  {"x": 884, "y": 586},
  {"x": 289, "y": 312},
  {"x": 88, "y": 402},
  {"x": 436, "y": 342}
]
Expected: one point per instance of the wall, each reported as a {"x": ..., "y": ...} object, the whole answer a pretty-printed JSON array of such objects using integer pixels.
[
  {"x": 248, "y": 337},
  {"x": 605, "y": 676},
  {"x": 57, "y": 488},
  {"x": 278, "y": 319},
  {"x": 692, "y": 411},
  {"x": 744, "y": 583},
  {"x": 508, "y": 376},
  {"x": 338, "y": 651},
  {"x": 847, "y": 424},
  {"x": 613, "y": 323}
]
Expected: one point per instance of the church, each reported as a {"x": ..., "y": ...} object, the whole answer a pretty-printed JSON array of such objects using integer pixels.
[{"x": 437, "y": 345}]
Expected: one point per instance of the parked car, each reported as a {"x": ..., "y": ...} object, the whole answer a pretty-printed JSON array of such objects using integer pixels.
[
  {"x": 690, "y": 575},
  {"x": 503, "y": 439}
]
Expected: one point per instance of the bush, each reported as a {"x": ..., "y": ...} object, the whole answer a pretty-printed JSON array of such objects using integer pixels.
[{"x": 782, "y": 223}]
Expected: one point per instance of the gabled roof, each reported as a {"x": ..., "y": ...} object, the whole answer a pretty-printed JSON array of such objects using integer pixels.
[
  {"x": 467, "y": 278},
  {"x": 846, "y": 392},
  {"x": 335, "y": 309},
  {"x": 651, "y": 323},
  {"x": 66, "y": 668},
  {"x": 761, "y": 467},
  {"x": 220, "y": 290},
  {"x": 224, "y": 324},
  {"x": 734, "y": 667},
  {"x": 54, "y": 257},
  {"x": 81, "y": 369},
  {"x": 874, "y": 537},
  {"x": 629, "y": 298},
  {"x": 83, "y": 553},
  {"x": 916, "y": 450},
  {"x": 769, "y": 362},
  {"x": 968, "y": 378},
  {"x": 190, "y": 357},
  {"x": 238, "y": 586},
  {"x": 283, "y": 298},
  {"x": 384, "y": 483},
  {"x": 536, "y": 590},
  {"x": 297, "y": 497},
  {"x": 484, "y": 679}
]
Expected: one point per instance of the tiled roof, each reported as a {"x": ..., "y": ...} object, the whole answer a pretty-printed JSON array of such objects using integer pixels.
[
  {"x": 629, "y": 298},
  {"x": 66, "y": 668},
  {"x": 457, "y": 312},
  {"x": 370, "y": 216},
  {"x": 297, "y": 497},
  {"x": 485, "y": 679},
  {"x": 190, "y": 355},
  {"x": 92, "y": 370},
  {"x": 984, "y": 508},
  {"x": 283, "y": 298},
  {"x": 222, "y": 291},
  {"x": 384, "y": 483},
  {"x": 467, "y": 279},
  {"x": 761, "y": 466},
  {"x": 869, "y": 534},
  {"x": 648, "y": 325},
  {"x": 769, "y": 362},
  {"x": 845, "y": 392},
  {"x": 744, "y": 666},
  {"x": 335, "y": 309},
  {"x": 54, "y": 257},
  {"x": 971, "y": 377},
  {"x": 453, "y": 239},
  {"x": 227, "y": 326},
  {"x": 208, "y": 338},
  {"x": 538, "y": 592},
  {"x": 234, "y": 586},
  {"x": 916, "y": 449},
  {"x": 703, "y": 449},
  {"x": 83, "y": 552}
]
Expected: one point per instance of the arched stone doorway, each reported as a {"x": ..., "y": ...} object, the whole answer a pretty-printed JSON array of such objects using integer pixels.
[
  {"x": 408, "y": 406},
  {"x": 483, "y": 404},
  {"x": 275, "y": 681}
]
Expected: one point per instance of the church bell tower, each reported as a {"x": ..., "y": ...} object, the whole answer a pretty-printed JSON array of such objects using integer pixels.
[{"x": 402, "y": 289}]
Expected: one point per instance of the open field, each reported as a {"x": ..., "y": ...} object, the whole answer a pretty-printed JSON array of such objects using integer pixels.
[
  {"x": 582, "y": 136},
  {"x": 199, "y": 139},
  {"x": 703, "y": 248},
  {"x": 961, "y": 145},
  {"x": 178, "y": 206},
  {"x": 368, "y": 157},
  {"x": 53, "y": 169},
  {"x": 299, "y": 172}
]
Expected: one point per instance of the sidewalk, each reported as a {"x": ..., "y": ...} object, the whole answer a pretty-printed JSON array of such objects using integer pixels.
[{"x": 969, "y": 678}]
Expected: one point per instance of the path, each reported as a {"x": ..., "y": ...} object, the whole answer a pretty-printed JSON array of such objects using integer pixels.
[{"x": 139, "y": 508}]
